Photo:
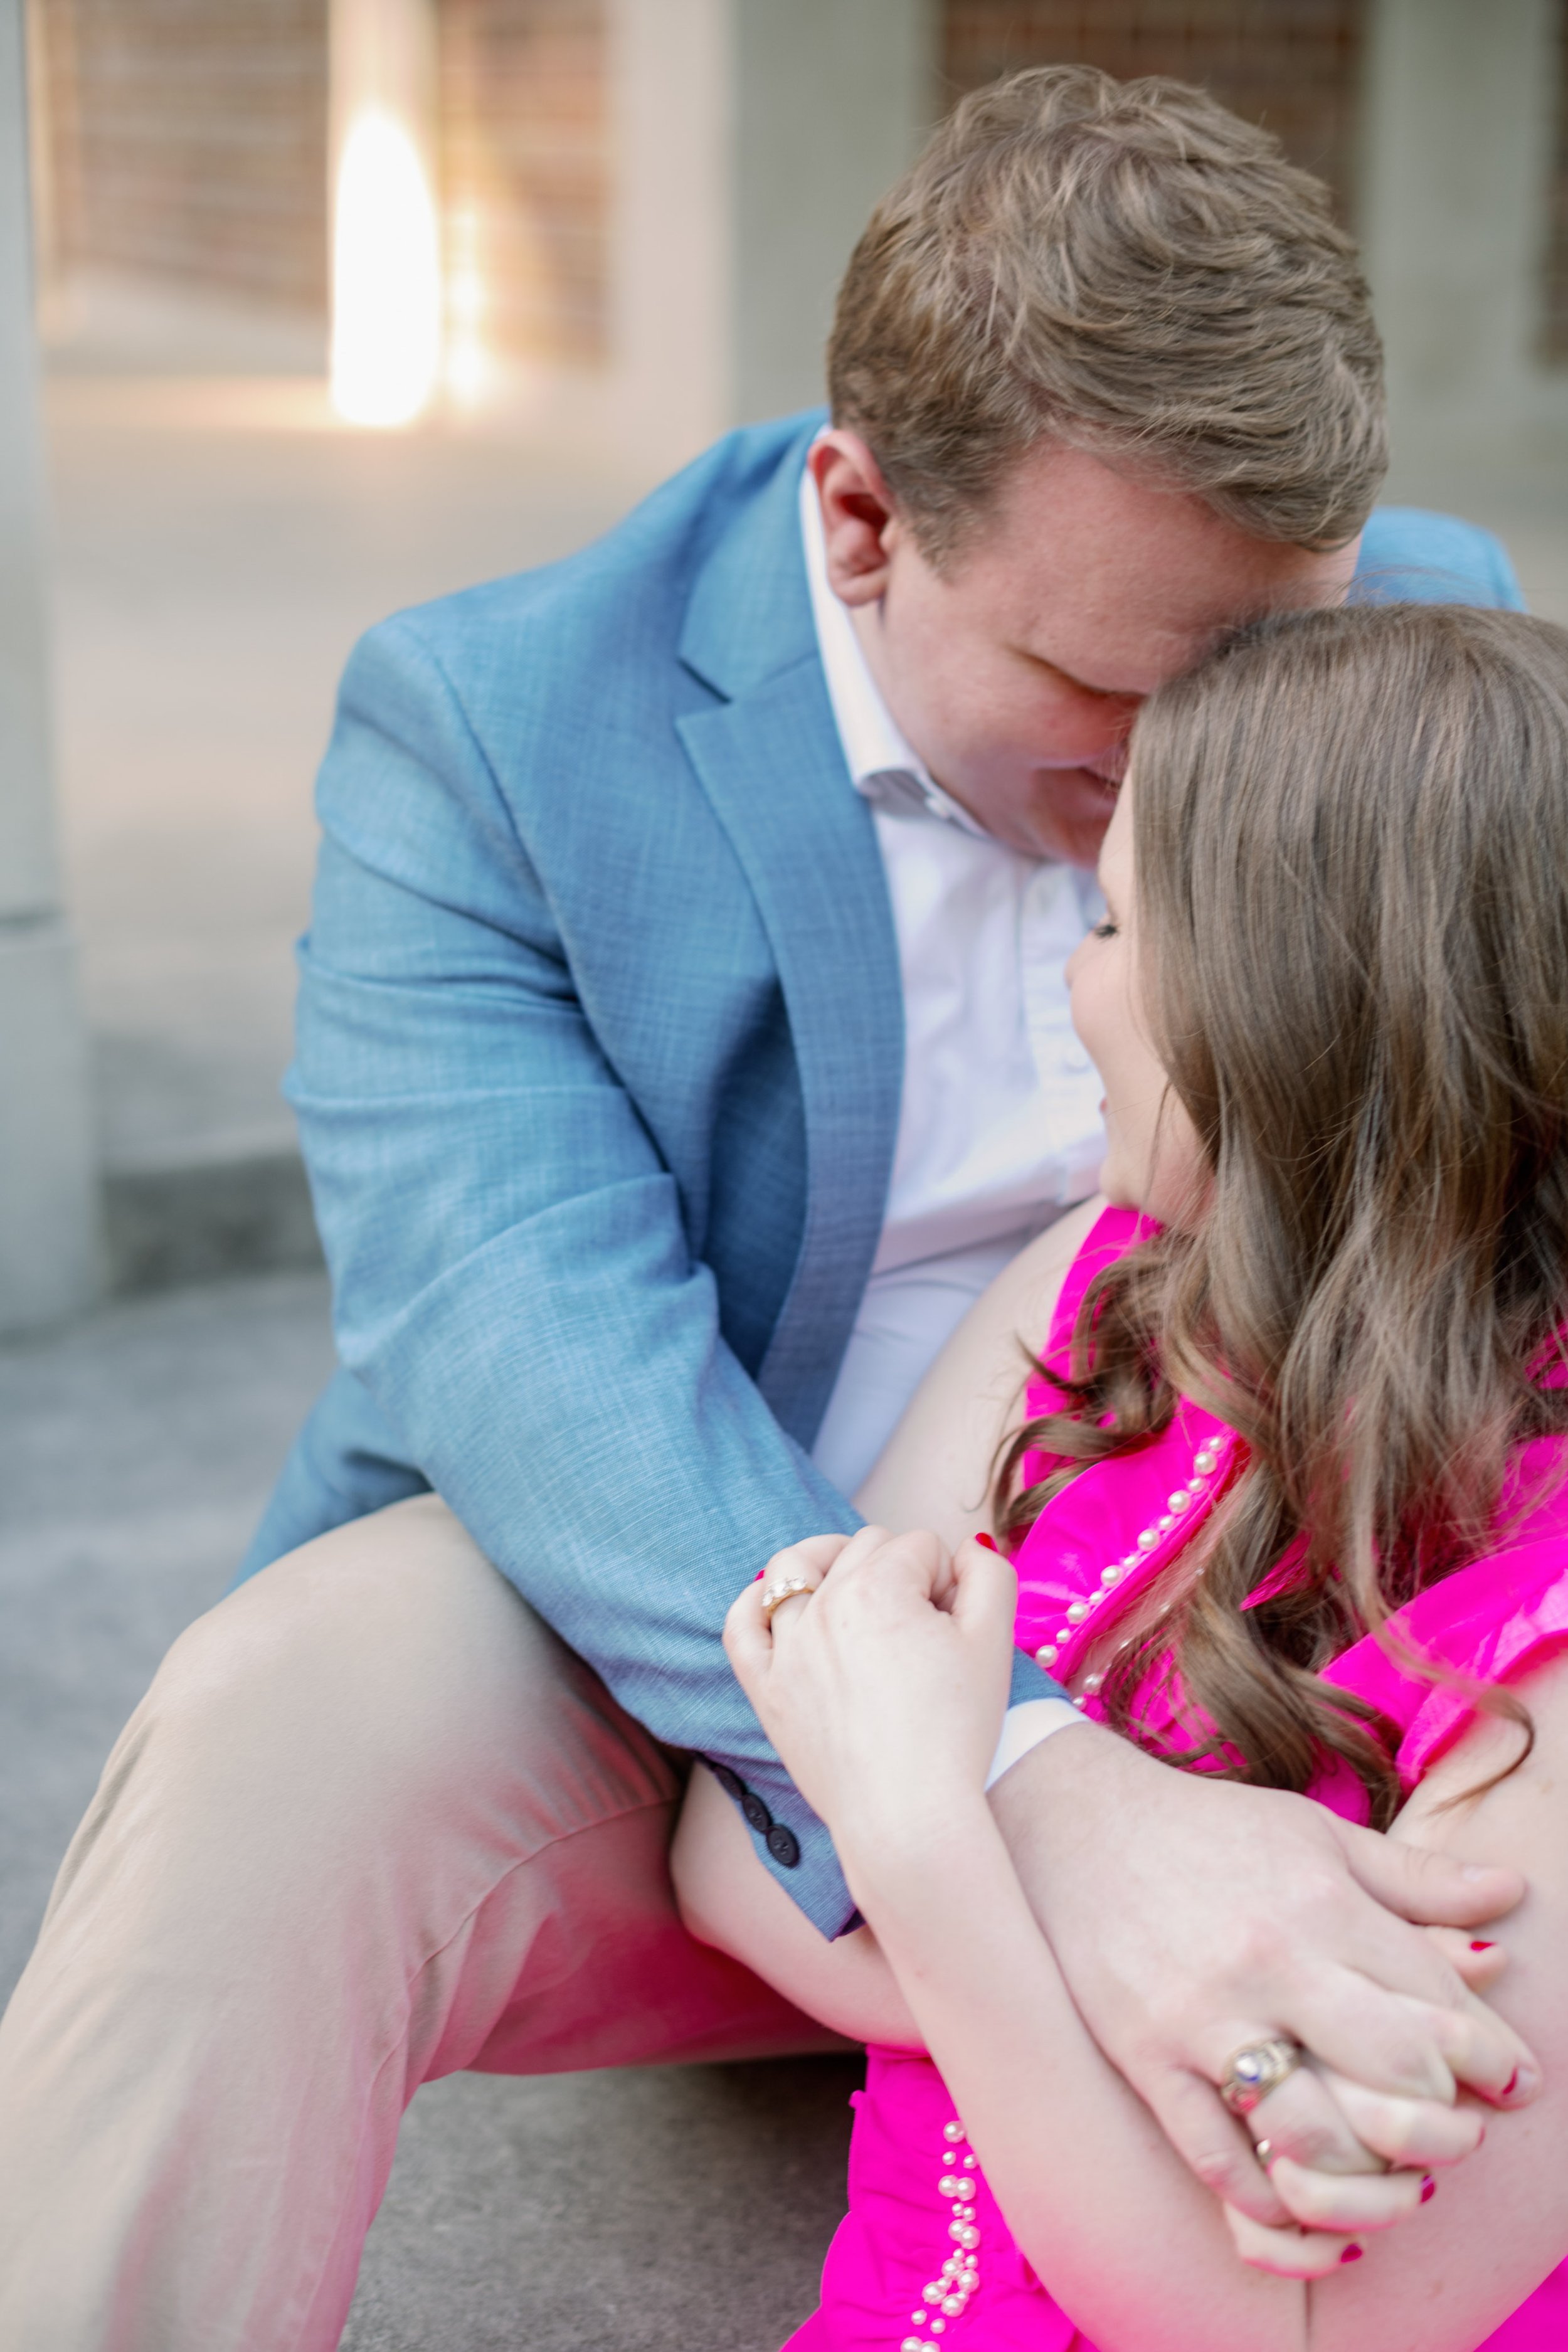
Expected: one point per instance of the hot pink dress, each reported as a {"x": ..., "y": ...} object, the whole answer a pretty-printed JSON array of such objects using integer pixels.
[{"x": 924, "y": 2262}]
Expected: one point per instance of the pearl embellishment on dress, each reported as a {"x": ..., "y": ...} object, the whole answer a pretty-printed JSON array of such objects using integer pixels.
[
  {"x": 950, "y": 2291},
  {"x": 1205, "y": 1461}
]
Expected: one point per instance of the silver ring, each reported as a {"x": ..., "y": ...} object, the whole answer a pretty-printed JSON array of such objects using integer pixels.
[
  {"x": 1257, "y": 2068},
  {"x": 775, "y": 1595}
]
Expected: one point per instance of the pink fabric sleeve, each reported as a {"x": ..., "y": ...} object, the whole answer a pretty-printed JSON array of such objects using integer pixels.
[
  {"x": 1486, "y": 1624},
  {"x": 1112, "y": 1235}
]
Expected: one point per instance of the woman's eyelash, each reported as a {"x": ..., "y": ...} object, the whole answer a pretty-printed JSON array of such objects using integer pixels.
[{"x": 1106, "y": 931}]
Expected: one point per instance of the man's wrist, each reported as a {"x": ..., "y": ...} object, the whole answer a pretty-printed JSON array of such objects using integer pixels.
[{"x": 1059, "y": 1793}]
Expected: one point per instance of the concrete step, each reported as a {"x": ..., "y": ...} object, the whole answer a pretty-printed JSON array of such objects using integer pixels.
[{"x": 205, "y": 1220}]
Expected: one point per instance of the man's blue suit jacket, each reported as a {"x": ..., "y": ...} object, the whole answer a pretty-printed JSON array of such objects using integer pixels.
[{"x": 600, "y": 1048}]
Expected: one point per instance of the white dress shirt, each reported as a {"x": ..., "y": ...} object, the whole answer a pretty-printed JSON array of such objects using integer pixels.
[{"x": 999, "y": 1126}]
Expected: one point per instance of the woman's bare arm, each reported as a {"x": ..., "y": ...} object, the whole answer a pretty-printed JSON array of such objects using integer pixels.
[
  {"x": 1500, "y": 2223},
  {"x": 935, "y": 1470},
  {"x": 726, "y": 1898},
  {"x": 1109, "y": 2216}
]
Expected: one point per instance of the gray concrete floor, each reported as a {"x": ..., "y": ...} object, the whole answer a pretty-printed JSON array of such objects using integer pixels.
[{"x": 678, "y": 2210}]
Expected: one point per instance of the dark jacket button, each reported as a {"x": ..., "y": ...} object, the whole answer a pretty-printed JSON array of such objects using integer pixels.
[
  {"x": 784, "y": 1846},
  {"x": 756, "y": 1812},
  {"x": 731, "y": 1783}
]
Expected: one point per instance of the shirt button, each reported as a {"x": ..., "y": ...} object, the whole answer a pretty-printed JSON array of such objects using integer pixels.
[
  {"x": 756, "y": 1812},
  {"x": 731, "y": 1783},
  {"x": 784, "y": 1846}
]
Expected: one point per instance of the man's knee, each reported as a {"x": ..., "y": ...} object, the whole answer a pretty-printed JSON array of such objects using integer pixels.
[
  {"x": 370, "y": 1595},
  {"x": 385, "y": 1672},
  {"x": 342, "y": 1667}
]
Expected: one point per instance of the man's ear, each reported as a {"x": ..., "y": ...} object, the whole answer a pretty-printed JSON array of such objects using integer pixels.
[{"x": 859, "y": 521}]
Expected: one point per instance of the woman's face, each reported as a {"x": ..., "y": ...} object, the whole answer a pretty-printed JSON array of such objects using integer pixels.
[{"x": 1153, "y": 1159}]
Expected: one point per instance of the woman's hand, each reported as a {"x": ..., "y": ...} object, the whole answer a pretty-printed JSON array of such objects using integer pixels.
[
  {"x": 884, "y": 1687},
  {"x": 1364, "y": 2160}
]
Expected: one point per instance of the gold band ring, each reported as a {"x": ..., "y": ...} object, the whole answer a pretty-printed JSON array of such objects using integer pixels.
[
  {"x": 775, "y": 1595},
  {"x": 1257, "y": 2068}
]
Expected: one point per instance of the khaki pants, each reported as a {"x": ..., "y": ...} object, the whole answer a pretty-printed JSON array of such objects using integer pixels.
[{"x": 372, "y": 1824}]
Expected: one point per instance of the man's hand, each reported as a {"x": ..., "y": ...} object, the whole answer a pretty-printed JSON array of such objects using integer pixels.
[{"x": 1190, "y": 1916}]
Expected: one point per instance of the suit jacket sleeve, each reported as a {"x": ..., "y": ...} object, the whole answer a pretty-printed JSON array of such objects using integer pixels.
[{"x": 513, "y": 1285}]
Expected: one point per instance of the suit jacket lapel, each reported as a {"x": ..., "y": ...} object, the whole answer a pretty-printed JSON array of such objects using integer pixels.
[{"x": 770, "y": 759}]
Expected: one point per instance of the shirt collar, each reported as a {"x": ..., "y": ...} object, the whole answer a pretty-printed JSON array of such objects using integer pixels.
[{"x": 874, "y": 744}]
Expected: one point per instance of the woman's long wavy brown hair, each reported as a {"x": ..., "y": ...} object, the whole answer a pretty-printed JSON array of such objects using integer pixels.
[{"x": 1351, "y": 843}]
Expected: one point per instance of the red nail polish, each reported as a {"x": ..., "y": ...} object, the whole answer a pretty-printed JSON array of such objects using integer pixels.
[
  {"x": 1351, "y": 2254},
  {"x": 1428, "y": 2189},
  {"x": 1509, "y": 2087},
  {"x": 1479, "y": 1943},
  {"x": 988, "y": 1543}
]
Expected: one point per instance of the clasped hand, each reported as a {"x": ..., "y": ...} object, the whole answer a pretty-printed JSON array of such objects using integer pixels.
[{"x": 1187, "y": 1915}]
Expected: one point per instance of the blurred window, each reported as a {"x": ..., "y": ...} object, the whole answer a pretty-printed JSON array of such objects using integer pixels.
[
  {"x": 187, "y": 142},
  {"x": 526, "y": 175}
]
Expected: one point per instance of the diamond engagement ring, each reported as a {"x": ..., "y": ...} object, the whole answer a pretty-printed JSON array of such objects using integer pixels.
[
  {"x": 1255, "y": 2069},
  {"x": 775, "y": 1595}
]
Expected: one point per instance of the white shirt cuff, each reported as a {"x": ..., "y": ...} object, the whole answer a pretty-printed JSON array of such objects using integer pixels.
[{"x": 1024, "y": 1726}]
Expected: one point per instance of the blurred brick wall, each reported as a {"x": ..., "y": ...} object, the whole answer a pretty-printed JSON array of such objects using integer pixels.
[
  {"x": 526, "y": 168},
  {"x": 1293, "y": 64},
  {"x": 188, "y": 142}
]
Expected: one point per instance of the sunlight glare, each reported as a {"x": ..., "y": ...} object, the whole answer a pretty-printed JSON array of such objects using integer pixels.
[{"x": 386, "y": 277}]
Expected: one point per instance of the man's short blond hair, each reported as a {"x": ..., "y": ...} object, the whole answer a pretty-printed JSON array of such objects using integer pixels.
[{"x": 1127, "y": 268}]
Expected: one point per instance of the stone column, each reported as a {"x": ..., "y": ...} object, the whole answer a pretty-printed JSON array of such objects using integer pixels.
[
  {"x": 753, "y": 138},
  {"x": 1457, "y": 157},
  {"x": 49, "y": 1262}
]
